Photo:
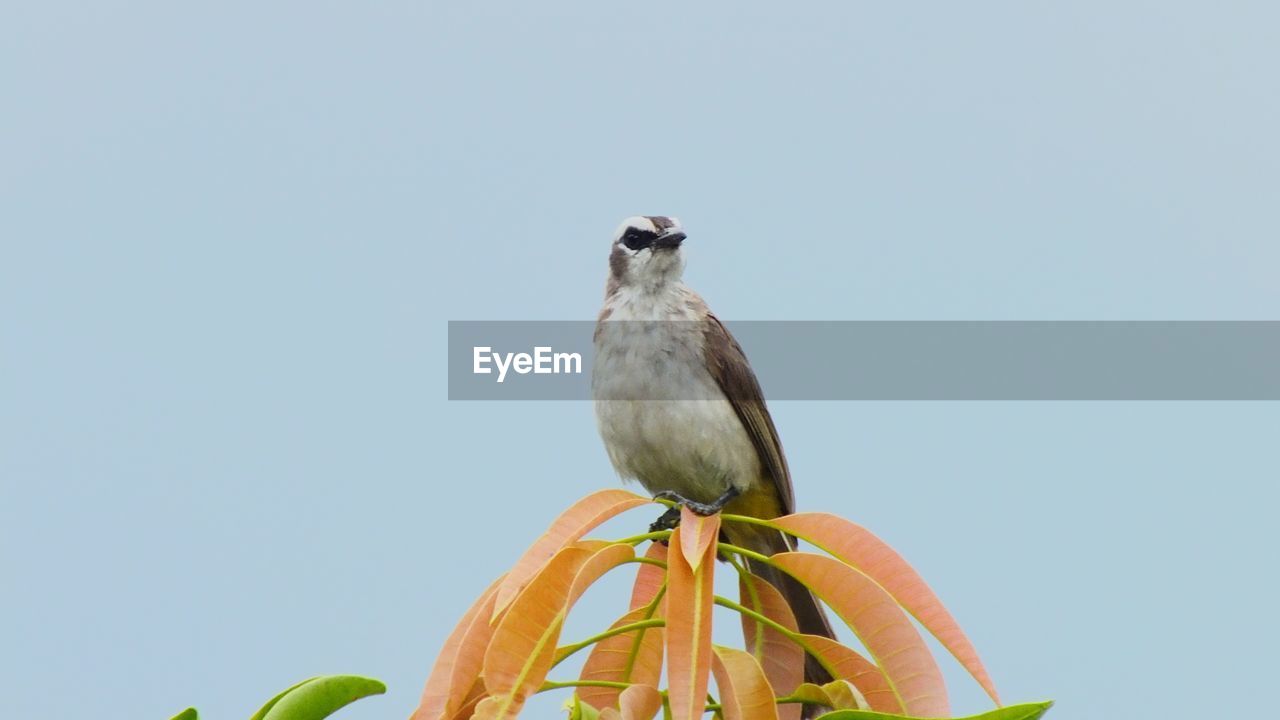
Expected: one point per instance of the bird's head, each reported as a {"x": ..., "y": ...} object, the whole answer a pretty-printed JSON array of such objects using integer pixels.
[{"x": 646, "y": 252}]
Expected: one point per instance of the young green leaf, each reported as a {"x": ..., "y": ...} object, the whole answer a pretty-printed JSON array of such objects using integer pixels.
[
  {"x": 262, "y": 711},
  {"x": 321, "y": 697},
  {"x": 1028, "y": 711}
]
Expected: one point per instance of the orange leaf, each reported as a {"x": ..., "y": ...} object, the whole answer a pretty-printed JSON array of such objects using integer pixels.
[
  {"x": 858, "y": 547},
  {"x": 491, "y": 707},
  {"x": 844, "y": 696},
  {"x": 572, "y": 524},
  {"x": 880, "y": 624},
  {"x": 459, "y": 662},
  {"x": 745, "y": 693},
  {"x": 640, "y": 702},
  {"x": 845, "y": 663},
  {"x": 781, "y": 658},
  {"x": 634, "y": 657},
  {"x": 649, "y": 578},
  {"x": 524, "y": 643},
  {"x": 698, "y": 532},
  {"x": 689, "y": 597},
  {"x": 606, "y": 557},
  {"x": 473, "y": 699}
]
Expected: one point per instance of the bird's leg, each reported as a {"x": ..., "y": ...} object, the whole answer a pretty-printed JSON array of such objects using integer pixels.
[{"x": 699, "y": 508}]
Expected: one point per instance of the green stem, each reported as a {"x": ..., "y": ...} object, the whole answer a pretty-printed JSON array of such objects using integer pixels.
[
  {"x": 553, "y": 685},
  {"x": 750, "y": 521},
  {"x": 791, "y": 635},
  {"x": 568, "y": 650},
  {"x": 736, "y": 565},
  {"x": 637, "y": 539},
  {"x": 745, "y": 553},
  {"x": 727, "y": 603},
  {"x": 753, "y": 595}
]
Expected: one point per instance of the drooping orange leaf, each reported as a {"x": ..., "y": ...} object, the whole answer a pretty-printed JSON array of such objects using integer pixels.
[
  {"x": 649, "y": 578},
  {"x": 606, "y": 557},
  {"x": 781, "y": 658},
  {"x": 572, "y": 524},
  {"x": 697, "y": 533},
  {"x": 745, "y": 693},
  {"x": 634, "y": 657},
  {"x": 844, "y": 696},
  {"x": 882, "y": 626},
  {"x": 525, "y": 633},
  {"x": 640, "y": 702},
  {"x": 845, "y": 663},
  {"x": 858, "y": 547},
  {"x": 689, "y": 600},
  {"x": 459, "y": 661},
  {"x": 524, "y": 643},
  {"x": 473, "y": 698}
]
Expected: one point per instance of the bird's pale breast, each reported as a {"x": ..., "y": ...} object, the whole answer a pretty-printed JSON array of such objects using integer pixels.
[{"x": 690, "y": 441}]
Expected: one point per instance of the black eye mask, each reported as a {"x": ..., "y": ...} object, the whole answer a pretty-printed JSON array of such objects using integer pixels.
[{"x": 637, "y": 239}]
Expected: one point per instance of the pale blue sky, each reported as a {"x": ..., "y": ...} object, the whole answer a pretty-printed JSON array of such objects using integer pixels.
[{"x": 231, "y": 236}]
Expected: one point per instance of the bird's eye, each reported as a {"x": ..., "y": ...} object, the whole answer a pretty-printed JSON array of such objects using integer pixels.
[{"x": 637, "y": 239}]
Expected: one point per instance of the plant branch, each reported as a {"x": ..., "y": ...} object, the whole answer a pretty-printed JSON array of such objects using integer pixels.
[
  {"x": 637, "y": 539},
  {"x": 745, "y": 553},
  {"x": 553, "y": 685},
  {"x": 567, "y": 650}
]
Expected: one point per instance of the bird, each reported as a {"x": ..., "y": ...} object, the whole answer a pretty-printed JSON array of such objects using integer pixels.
[{"x": 680, "y": 410}]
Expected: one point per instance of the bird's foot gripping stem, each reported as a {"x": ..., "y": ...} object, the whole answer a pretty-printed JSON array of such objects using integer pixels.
[{"x": 671, "y": 518}]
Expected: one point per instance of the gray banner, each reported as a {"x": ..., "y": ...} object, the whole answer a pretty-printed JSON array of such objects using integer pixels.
[{"x": 926, "y": 360}]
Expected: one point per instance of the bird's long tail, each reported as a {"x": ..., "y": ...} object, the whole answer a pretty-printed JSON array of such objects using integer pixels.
[{"x": 811, "y": 619}]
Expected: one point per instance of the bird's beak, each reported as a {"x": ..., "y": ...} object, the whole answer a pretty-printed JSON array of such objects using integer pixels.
[{"x": 670, "y": 240}]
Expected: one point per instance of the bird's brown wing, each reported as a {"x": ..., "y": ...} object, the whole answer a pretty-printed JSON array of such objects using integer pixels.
[{"x": 729, "y": 366}]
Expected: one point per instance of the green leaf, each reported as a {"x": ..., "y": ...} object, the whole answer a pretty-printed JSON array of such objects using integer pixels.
[
  {"x": 188, "y": 714},
  {"x": 1027, "y": 711},
  {"x": 320, "y": 697},
  {"x": 262, "y": 712}
]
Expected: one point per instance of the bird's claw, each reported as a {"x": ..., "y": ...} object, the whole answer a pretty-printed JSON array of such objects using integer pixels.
[
  {"x": 669, "y": 520},
  {"x": 698, "y": 508}
]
